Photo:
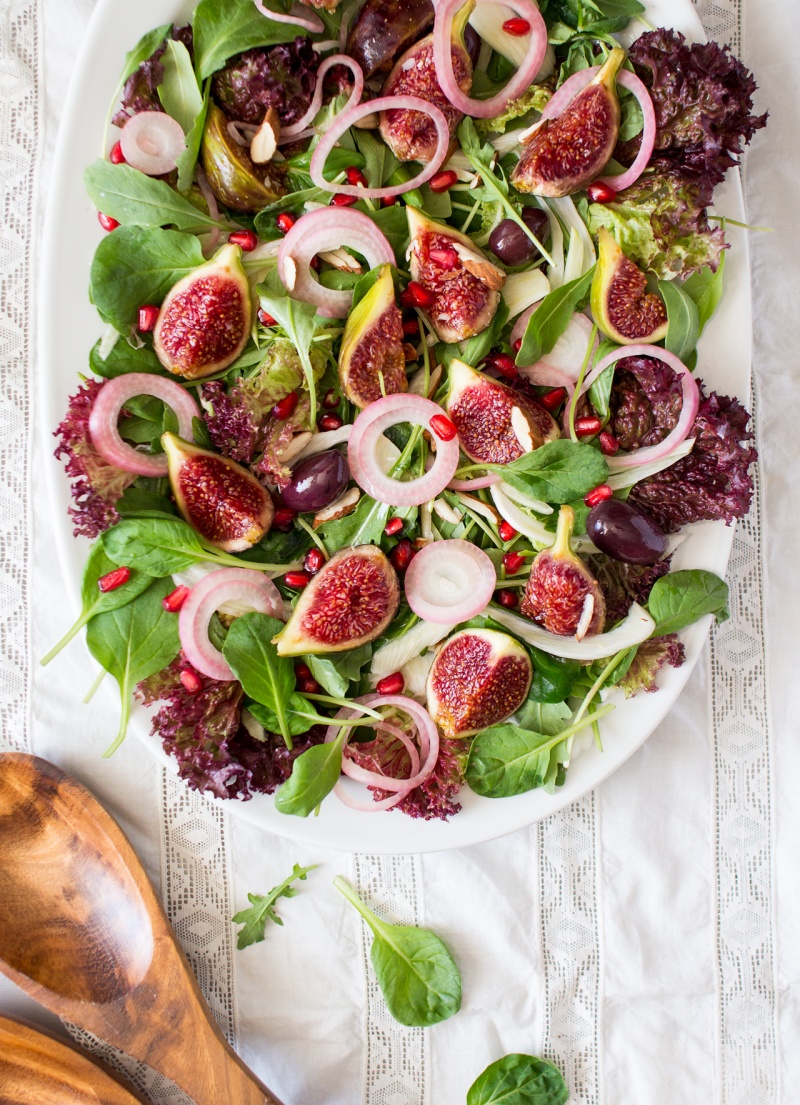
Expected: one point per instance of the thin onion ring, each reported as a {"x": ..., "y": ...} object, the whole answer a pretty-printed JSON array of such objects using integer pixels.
[
  {"x": 432, "y": 579},
  {"x": 309, "y": 23},
  {"x": 294, "y": 130},
  {"x": 152, "y": 141},
  {"x": 474, "y": 485}
]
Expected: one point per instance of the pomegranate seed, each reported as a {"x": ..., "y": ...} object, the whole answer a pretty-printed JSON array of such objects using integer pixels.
[
  {"x": 115, "y": 155},
  {"x": 416, "y": 295},
  {"x": 388, "y": 201},
  {"x": 285, "y": 407},
  {"x": 411, "y": 327},
  {"x": 148, "y": 316},
  {"x": 507, "y": 531},
  {"x": 444, "y": 181},
  {"x": 330, "y": 422},
  {"x": 402, "y": 555},
  {"x": 446, "y": 259},
  {"x": 341, "y": 200},
  {"x": 113, "y": 580},
  {"x": 410, "y": 352},
  {"x": 297, "y": 580},
  {"x": 175, "y": 599},
  {"x": 512, "y": 562},
  {"x": 354, "y": 176},
  {"x": 315, "y": 264},
  {"x": 504, "y": 365},
  {"x": 517, "y": 345},
  {"x": 284, "y": 517},
  {"x": 507, "y": 598},
  {"x": 106, "y": 221},
  {"x": 309, "y": 686},
  {"x": 266, "y": 320},
  {"x": 598, "y": 495},
  {"x": 246, "y": 240},
  {"x": 601, "y": 193},
  {"x": 286, "y": 221},
  {"x": 313, "y": 561},
  {"x": 587, "y": 427},
  {"x": 192, "y": 682},
  {"x": 302, "y": 671},
  {"x": 517, "y": 27},
  {"x": 393, "y": 526},
  {"x": 444, "y": 429},
  {"x": 608, "y": 444},
  {"x": 391, "y": 684},
  {"x": 331, "y": 400},
  {"x": 552, "y": 400}
]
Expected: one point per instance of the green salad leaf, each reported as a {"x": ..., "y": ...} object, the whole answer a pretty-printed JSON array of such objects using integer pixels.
[
  {"x": 262, "y": 908},
  {"x": 519, "y": 1080},
  {"x": 681, "y": 598}
]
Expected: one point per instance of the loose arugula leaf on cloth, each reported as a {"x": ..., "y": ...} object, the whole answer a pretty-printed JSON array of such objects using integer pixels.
[
  {"x": 262, "y": 908},
  {"x": 519, "y": 1080},
  {"x": 681, "y": 598},
  {"x": 226, "y": 27},
  {"x": 298, "y": 321},
  {"x": 265, "y": 676},
  {"x": 133, "y": 642},
  {"x": 131, "y": 197},
  {"x": 557, "y": 472},
  {"x": 419, "y": 979},
  {"x": 314, "y": 775},
  {"x": 683, "y": 319},
  {"x": 552, "y": 317}
]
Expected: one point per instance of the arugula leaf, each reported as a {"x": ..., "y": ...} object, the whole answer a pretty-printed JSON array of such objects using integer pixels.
[
  {"x": 226, "y": 27},
  {"x": 682, "y": 317},
  {"x": 298, "y": 320},
  {"x": 265, "y": 676},
  {"x": 705, "y": 288},
  {"x": 419, "y": 979},
  {"x": 557, "y": 472},
  {"x": 551, "y": 318},
  {"x": 314, "y": 775},
  {"x": 519, "y": 1080},
  {"x": 133, "y": 642},
  {"x": 131, "y": 197},
  {"x": 600, "y": 391},
  {"x": 262, "y": 908},
  {"x": 363, "y": 527},
  {"x": 179, "y": 91},
  {"x": 187, "y": 160},
  {"x": 681, "y": 598},
  {"x": 379, "y": 161},
  {"x": 124, "y": 358},
  {"x": 144, "y": 48}
]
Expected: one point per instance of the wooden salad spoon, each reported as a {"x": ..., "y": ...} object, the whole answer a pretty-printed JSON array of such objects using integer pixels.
[
  {"x": 37, "y": 1069},
  {"x": 82, "y": 932}
]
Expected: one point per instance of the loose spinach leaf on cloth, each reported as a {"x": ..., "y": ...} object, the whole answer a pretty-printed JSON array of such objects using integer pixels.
[
  {"x": 266, "y": 677},
  {"x": 557, "y": 472},
  {"x": 680, "y": 598},
  {"x": 418, "y": 977},
  {"x": 314, "y": 775},
  {"x": 226, "y": 27},
  {"x": 519, "y": 1080},
  {"x": 262, "y": 908},
  {"x": 551, "y": 318},
  {"x": 131, "y": 197},
  {"x": 133, "y": 642}
]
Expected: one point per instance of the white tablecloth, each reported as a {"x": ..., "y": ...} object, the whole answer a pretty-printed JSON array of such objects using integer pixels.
[{"x": 644, "y": 939}]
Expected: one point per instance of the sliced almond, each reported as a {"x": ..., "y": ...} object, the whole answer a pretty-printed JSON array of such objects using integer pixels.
[
  {"x": 586, "y": 618},
  {"x": 289, "y": 273},
  {"x": 265, "y": 141},
  {"x": 416, "y": 384},
  {"x": 478, "y": 506},
  {"x": 368, "y": 122},
  {"x": 342, "y": 506},
  {"x": 341, "y": 260},
  {"x": 296, "y": 446},
  {"x": 519, "y": 424},
  {"x": 447, "y": 513},
  {"x": 487, "y": 273}
]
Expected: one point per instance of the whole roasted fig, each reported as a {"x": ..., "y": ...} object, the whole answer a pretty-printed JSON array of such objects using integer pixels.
[
  {"x": 372, "y": 346},
  {"x": 622, "y": 307},
  {"x": 232, "y": 175},
  {"x": 449, "y": 267},
  {"x": 495, "y": 423},
  {"x": 204, "y": 323},
  {"x": 216, "y": 496},
  {"x": 561, "y": 594},
  {"x": 479, "y": 678},
  {"x": 411, "y": 135},
  {"x": 564, "y": 154},
  {"x": 384, "y": 28},
  {"x": 349, "y": 602}
]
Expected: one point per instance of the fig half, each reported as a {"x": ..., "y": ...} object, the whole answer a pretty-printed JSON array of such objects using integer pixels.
[
  {"x": 561, "y": 594},
  {"x": 349, "y": 602},
  {"x": 495, "y": 423},
  {"x": 565, "y": 154},
  {"x": 233, "y": 176},
  {"x": 622, "y": 307},
  {"x": 216, "y": 496},
  {"x": 204, "y": 323},
  {"x": 372, "y": 346},
  {"x": 479, "y": 678},
  {"x": 465, "y": 283},
  {"x": 383, "y": 28}
]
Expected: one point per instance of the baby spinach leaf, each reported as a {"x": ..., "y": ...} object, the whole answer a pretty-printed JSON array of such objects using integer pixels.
[
  {"x": 337, "y": 671},
  {"x": 157, "y": 546},
  {"x": 705, "y": 288},
  {"x": 124, "y": 358},
  {"x": 682, "y": 318},
  {"x": 131, "y": 197},
  {"x": 299, "y": 715},
  {"x": 557, "y": 472},
  {"x": 314, "y": 775},
  {"x": 265, "y": 676},
  {"x": 680, "y": 598},
  {"x": 262, "y": 908},
  {"x": 553, "y": 677},
  {"x": 543, "y": 717},
  {"x": 419, "y": 979},
  {"x": 519, "y": 1080},
  {"x": 551, "y": 318},
  {"x": 226, "y": 27},
  {"x": 134, "y": 641}
]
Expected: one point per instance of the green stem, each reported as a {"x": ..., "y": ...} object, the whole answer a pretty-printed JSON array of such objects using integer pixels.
[
  {"x": 213, "y": 553},
  {"x": 598, "y": 683},
  {"x": 123, "y": 723},
  {"x": 93, "y": 689},
  {"x": 581, "y": 723},
  {"x": 65, "y": 640},
  {"x": 314, "y": 536},
  {"x": 330, "y": 700}
]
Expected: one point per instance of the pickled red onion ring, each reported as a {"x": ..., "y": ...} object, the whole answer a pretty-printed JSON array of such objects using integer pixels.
[
  {"x": 294, "y": 130},
  {"x": 450, "y": 581},
  {"x": 310, "y": 23},
  {"x": 474, "y": 485},
  {"x": 367, "y": 431},
  {"x": 519, "y": 83},
  {"x": 224, "y": 585},
  {"x": 111, "y": 399},
  {"x": 152, "y": 142},
  {"x": 351, "y": 115}
]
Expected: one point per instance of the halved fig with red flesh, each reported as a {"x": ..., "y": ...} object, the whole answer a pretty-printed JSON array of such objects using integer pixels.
[
  {"x": 371, "y": 360},
  {"x": 383, "y": 28},
  {"x": 216, "y": 496},
  {"x": 465, "y": 284},
  {"x": 565, "y": 154},
  {"x": 561, "y": 594},
  {"x": 495, "y": 423},
  {"x": 349, "y": 602},
  {"x": 479, "y": 678},
  {"x": 622, "y": 307},
  {"x": 204, "y": 323}
]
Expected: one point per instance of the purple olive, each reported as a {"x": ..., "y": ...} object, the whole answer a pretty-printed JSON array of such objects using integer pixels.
[
  {"x": 317, "y": 482},
  {"x": 624, "y": 532},
  {"x": 512, "y": 245},
  {"x": 473, "y": 44}
]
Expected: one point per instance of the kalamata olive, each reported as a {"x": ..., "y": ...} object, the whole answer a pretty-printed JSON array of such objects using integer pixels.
[
  {"x": 472, "y": 41},
  {"x": 317, "y": 482},
  {"x": 510, "y": 242},
  {"x": 624, "y": 532}
]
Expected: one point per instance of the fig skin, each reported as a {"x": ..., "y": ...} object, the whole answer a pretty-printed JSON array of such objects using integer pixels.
[
  {"x": 385, "y": 28},
  {"x": 372, "y": 345},
  {"x": 204, "y": 322},
  {"x": 217, "y": 497},
  {"x": 482, "y": 410},
  {"x": 560, "y": 584},
  {"x": 233, "y": 176},
  {"x": 349, "y": 602},
  {"x": 468, "y": 294},
  {"x": 565, "y": 154},
  {"x": 479, "y": 678},
  {"x": 621, "y": 305}
]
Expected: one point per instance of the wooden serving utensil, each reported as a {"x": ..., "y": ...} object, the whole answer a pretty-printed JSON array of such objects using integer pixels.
[
  {"x": 37, "y": 1069},
  {"x": 83, "y": 933}
]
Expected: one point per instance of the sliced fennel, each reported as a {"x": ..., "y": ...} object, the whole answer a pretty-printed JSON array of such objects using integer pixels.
[
  {"x": 522, "y": 289},
  {"x": 627, "y": 477},
  {"x": 394, "y": 655},
  {"x": 636, "y": 628}
]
